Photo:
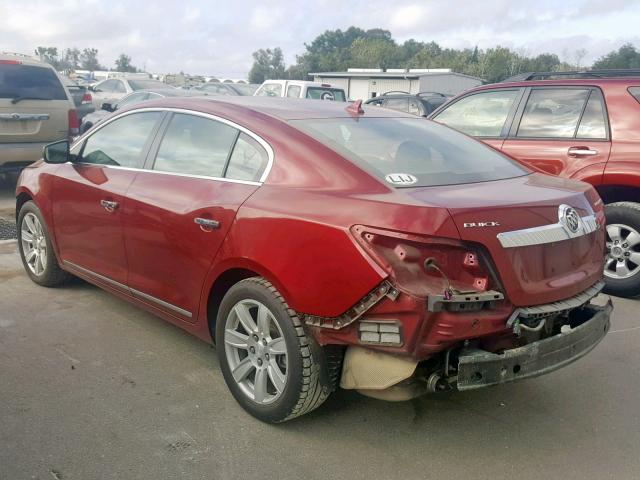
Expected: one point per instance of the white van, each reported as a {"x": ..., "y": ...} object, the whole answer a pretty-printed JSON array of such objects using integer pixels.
[{"x": 300, "y": 89}]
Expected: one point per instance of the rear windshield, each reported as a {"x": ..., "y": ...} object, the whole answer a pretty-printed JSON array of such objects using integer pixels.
[
  {"x": 320, "y": 93},
  {"x": 407, "y": 152},
  {"x": 146, "y": 84},
  {"x": 17, "y": 80}
]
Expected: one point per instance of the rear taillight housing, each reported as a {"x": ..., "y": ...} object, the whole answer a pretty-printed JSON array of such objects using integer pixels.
[
  {"x": 74, "y": 123},
  {"x": 86, "y": 99},
  {"x": 410, "y": 259}
]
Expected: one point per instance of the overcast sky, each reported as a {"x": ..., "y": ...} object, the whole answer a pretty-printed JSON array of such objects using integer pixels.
[{"x": 217, "y": 38}]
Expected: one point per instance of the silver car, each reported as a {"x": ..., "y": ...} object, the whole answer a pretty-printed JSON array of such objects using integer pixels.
[{"x": 113, "y": 89}]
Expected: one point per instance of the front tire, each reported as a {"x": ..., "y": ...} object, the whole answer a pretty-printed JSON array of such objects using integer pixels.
[
  {"x": 273, "y": 369},
  {"x": 36, "y": 250},
  {"x": 622, "y": 262}
]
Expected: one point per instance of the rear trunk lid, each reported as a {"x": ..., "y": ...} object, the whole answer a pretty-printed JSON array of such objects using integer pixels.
[
  {"x": 535, "y": 267},
  {"x": 34, "y": 106}
]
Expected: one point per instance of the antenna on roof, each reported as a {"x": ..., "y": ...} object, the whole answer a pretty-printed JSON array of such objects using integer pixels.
[{"x": 355, "y": 108}]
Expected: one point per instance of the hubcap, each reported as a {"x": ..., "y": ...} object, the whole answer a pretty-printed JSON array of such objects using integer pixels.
[
  {"x": 256, "y": 351},
  {"x": 623, "y": 251},
  {"x": 34, "y": 244}
]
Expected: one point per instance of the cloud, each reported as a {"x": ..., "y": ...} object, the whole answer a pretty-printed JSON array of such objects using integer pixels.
[{"x": 217, "y": 38}]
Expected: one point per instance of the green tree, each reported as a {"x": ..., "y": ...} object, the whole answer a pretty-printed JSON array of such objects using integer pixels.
[
  {"x": 627, "y": 56},
  {"x": 373, "y": 53},
  {"x": 72, "y": 58},
  {"x": 49, "y": 55},
  {"x": 267, "y": 64},
  {"x": 89, "y": 59},
  {"x": 123, "y": 64}
]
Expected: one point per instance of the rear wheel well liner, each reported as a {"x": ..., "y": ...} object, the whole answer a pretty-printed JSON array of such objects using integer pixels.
[{"x": 618, "y": 193}]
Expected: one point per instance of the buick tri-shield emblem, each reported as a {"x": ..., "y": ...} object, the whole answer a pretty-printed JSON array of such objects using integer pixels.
[{"x": 569, "y": 218}]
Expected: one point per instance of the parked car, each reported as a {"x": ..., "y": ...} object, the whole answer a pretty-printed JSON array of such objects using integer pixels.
[
  {"x": 586, "y": 129},
  {"x": 81, "y": 97},
  {"x": 300, "y": 235},
  {"x": 35, "y": 109},
  {"x": 300, "y": 89},
  {"x": 113, "y": 89},
  {"x": 132, "y": 99},
  {"x": 421, "y": 104},
  {"x": 234, "y": 89}
]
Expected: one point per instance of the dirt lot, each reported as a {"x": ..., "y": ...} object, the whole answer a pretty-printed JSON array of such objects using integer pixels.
[{"x": 93, "y": 388}]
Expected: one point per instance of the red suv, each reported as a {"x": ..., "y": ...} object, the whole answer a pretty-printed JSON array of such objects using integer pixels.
[
  {"x": 582, "y": 128},
  {"x": 299, "y": 235}
]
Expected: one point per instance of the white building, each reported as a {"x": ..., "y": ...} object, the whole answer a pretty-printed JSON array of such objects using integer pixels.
[{"x": 365, "y": 83}]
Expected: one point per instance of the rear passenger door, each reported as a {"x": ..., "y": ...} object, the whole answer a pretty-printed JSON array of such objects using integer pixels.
[
  {"x": 180, "y": 208},
  {"x": 562, "y": 131}
]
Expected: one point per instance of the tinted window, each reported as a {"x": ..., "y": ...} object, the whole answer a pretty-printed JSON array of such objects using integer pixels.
[
  {"x": 401, "y": 104},
  {"x": 248, "y": 160},
  {"x": 108, "y": 86},
  {"x": 122, "y": 141},
  {"x": 119, "y": 87},
  {"x": 432, "y": 153},
  {"x": 635, "y": 91},
  {"x": 17, "y": 80},
  {"x": 244, "y": 89},
  {"x": 481, "y": 114},
  {"x": 319, "y": 93},
  {"x": 195, "y": 146},
  {"x": 414, "y": 106},
  {"x": 293, "y": 91},
  {"x": 552, "y": 113},
  {"x": 270, "y": 90},
  {"x": 592, "y": 124},
  {"x": 216, "y": 89}
]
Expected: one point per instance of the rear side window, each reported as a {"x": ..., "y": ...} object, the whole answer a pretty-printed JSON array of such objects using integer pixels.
[
  {"x": 593, "y": 122},
  {"x": 121, "y": 142},
  {"x": 17, "y": 80},
  {"x": 195, "y": 146},
  {"x": 319, "y": 93},
  {"x": 481, "y": 114},
  {"x": 635, "y": 91},
  {"x": 248, "y": 160},
  {"x": 293, "y": 91},
  {"x": 414, "y": 106},
  {"x": 400, "y": 104},
  {"x": 552, "y": 113}
]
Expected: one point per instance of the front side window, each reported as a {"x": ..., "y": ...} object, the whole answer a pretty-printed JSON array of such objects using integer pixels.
[
  {"x": 270, "y": 90},
  {"x": 108, "y": 86},
  {"x": 400, "y": 104},
  {"x": 293, "y": 91},
  {"x": 481, "y": 114},
  {"x": 391, "y": 148},
  {"x": 552, "y": 113},
  {"x": 248, "y": 160},
  {"x": 195, "y": 146},
  {"x": 121, "y": 142}
]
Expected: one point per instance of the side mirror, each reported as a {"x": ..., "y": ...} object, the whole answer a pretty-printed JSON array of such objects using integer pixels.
[
  {"x": 57, "y": 152},
  {"x": 108, "y": 107}
]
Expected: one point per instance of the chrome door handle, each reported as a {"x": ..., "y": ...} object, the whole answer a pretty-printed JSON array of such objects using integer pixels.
[
  {"x": 109, "y": 205},
  {"x": 207, "y": 224},
  {"x": 582, "y": 151}
]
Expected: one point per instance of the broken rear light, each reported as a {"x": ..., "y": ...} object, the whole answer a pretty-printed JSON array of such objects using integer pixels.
[{"x": 86, "y": 98}]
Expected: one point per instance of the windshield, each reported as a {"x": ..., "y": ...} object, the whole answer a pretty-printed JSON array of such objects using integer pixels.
[
  {"x": 407, "y": 152},
  {"x": 245, "y": 89},
  {"x": 320, "y": 93},
  {"x": 29, "y": 81},
  {"x": 145, "y": 84}
]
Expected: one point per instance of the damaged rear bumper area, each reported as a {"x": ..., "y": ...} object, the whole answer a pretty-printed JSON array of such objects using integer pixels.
[{"x": 479, "y": 368}]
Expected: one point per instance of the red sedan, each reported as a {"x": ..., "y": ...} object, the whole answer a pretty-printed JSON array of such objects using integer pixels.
[{"x": 319, "y": 245}]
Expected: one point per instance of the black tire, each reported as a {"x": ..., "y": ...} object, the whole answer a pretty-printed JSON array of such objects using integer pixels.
[
  {"x": 308, "y": 383},
  {"x": 52, "y": 275},
  {"x": 627, "y": 214}
]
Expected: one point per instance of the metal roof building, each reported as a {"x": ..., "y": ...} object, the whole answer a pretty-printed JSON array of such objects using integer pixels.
[{"x": 364, "y": 83}]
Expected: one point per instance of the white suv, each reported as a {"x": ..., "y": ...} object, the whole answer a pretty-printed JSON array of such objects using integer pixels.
[{"x": 300, "y": 89}]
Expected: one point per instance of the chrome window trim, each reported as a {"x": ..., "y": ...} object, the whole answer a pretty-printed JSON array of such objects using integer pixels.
[
  {"x": 555, "y": 232},
  {"x": 132, "y": 291},
  {"x": 256, "y": 137}
]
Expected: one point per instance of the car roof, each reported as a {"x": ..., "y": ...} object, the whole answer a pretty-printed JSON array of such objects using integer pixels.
[
  {"x": 596, "y": 82},
  {"x": 24, "y": 59},
  {"x": 280, "y": 108}
]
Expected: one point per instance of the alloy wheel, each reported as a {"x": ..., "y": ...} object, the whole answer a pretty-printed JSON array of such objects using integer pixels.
[
  {"x": 34, "y": 244},
  {"x": 256, "y": 351},
  {"x": 623, "y": 251}
]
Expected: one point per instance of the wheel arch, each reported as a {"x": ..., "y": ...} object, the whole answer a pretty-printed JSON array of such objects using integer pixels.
[
  {"x": 22, "y": 198},
  {"x": 618, "y": 193}
]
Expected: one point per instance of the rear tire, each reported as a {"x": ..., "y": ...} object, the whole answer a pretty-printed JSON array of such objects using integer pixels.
[
  {"x": 36, "y": 250},
  {"x": 261, "y": 341},
  {"x": 622, "y": 262}
]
